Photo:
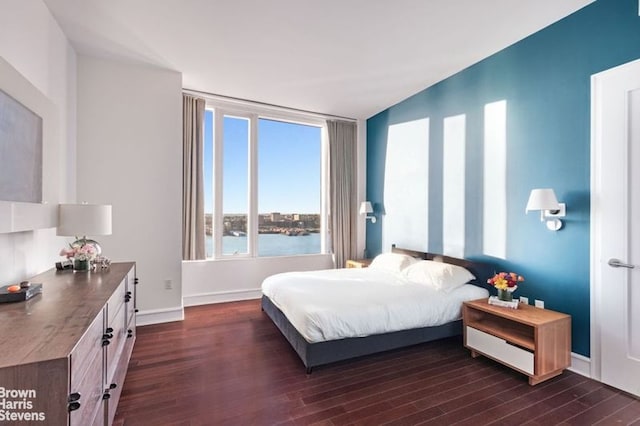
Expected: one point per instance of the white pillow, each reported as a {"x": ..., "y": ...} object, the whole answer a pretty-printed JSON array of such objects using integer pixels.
[
  {"x": 392, "y": 262},
  {"x": 441, "y": 276}
]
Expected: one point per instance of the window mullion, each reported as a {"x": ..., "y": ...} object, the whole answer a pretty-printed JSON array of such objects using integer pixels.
[
  {"x": 252, "y": 228},
  {"x": 217, "y": 185}
]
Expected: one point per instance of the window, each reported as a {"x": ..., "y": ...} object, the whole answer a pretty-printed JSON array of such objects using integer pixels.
[
  {"x": 235, "y": 184},
  {"x": 264, "y": 186}
]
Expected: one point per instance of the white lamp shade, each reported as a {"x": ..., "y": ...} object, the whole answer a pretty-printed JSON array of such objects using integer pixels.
[
  {"x": 366, "y": 207},
  {"x": 84, "y": 219},
  {"x": 542, "y": 199}
]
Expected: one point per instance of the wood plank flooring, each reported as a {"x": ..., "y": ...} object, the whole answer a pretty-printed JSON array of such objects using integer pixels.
[{"x": 227, "y": 364}]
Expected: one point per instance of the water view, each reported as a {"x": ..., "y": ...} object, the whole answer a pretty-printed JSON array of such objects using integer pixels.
[{"x": 269, "y": 244}]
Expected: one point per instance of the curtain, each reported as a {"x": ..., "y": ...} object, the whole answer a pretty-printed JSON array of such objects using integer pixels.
[
  {"x": 192, "y": 178},
  {"x": 343, "y": 190}
]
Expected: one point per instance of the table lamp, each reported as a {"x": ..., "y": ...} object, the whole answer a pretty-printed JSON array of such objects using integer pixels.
[{"x": 82, "y": 220}]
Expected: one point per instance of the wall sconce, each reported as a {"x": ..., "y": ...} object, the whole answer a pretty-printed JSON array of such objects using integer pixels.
[
  {"x": 550, "y": 210},
  {"x": 367, "y": 208}
]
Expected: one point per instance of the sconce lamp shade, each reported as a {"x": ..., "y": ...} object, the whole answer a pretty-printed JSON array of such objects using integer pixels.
[
  {"x": 84, "y": 219},
  {"x": 542, "y": 199},
  {"x": 545, "y": 200},
  {"x": 366, "y": 207}
]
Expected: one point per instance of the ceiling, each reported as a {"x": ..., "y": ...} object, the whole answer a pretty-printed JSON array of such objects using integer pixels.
[{"x": 351, "y": 58}]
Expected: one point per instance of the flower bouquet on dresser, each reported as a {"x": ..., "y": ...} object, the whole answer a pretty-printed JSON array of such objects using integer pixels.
[
  {"x": 506, "y": 283},
  {"x": 83, "y": 256},
  {"x": 80, "y": 255}
]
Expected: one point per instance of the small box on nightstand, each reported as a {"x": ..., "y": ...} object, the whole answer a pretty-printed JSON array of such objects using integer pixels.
[{"x": 358, "y": 263}]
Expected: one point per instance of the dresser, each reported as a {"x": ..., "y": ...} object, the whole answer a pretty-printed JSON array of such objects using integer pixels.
[{"x": 64, "y": 353}]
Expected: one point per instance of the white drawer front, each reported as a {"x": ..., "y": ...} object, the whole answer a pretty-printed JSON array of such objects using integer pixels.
[{"x": 500, "y": 350}]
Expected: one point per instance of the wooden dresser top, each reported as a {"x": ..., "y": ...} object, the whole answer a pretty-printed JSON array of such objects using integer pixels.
[{"x": 49, "y": 325}]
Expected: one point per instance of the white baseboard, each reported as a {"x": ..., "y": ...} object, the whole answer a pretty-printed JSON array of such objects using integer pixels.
[
  {"x": 157, "y": 316},
  {"x": 221, "y": 297},
  {"x": 580, "y": 364}
]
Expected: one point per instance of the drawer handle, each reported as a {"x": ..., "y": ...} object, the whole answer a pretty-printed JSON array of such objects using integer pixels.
[
  {"x": 105, "y": 342},
  {"x": 113, "y": 386},
  {"x": 128, "y": 293},
  {"x": 74, "y": 406},
  {"x": 517, "y": 346},
  {"x": 74, "y": 396},
  {"x": 129, "y": 333},
  {"x": 107, "y": 336},
  {"x": 106, "y": 395},
  {"x": 135, "y": 280},
  {"x": 109, "y": 330}
]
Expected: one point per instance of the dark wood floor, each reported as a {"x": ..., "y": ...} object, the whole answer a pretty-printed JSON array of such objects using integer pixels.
[{"x": 227, "y": 364}]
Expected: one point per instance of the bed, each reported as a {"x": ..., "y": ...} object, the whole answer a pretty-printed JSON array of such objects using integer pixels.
[{"x": 334, "y": 315}]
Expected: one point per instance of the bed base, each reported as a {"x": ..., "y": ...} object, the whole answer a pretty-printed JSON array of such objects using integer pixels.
[{"x": 320, "y": 353}]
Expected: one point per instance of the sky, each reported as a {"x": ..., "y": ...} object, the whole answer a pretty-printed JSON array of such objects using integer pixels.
[{"x": 289, "y": 159}]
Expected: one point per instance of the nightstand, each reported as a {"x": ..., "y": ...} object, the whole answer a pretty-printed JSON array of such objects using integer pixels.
[
  {"x": 358, "y": 263},
  {"x": 533, "y": 341}
]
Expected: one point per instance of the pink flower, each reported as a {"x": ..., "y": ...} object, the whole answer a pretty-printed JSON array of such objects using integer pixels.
[
  {"x": 79, "y": 252},
  {"x": 69, "y": 253}
]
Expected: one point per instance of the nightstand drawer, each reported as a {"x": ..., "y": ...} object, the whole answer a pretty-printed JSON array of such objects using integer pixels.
[{"x": 499, "y": 349}]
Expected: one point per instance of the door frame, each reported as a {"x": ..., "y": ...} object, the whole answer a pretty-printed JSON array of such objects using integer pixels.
[{"x": 597, "y": 263}]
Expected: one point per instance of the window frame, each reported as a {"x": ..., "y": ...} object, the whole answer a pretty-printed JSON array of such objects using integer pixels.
[{"x": 253, "y": 113}]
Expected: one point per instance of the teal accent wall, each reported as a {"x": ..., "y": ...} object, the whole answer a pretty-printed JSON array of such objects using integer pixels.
[{"x": 545, "y": 80}]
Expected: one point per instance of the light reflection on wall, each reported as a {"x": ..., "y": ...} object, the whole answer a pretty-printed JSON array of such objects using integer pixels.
[
  {"x": 406, "y": 178},
  {"x": 453, "y": 186},
  {"x": 494, "y": 218}
]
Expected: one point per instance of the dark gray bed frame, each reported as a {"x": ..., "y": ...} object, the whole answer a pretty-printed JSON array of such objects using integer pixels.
[{"x": 320, "y": 353}]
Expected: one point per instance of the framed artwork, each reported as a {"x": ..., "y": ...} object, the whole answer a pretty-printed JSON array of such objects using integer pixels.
[
  {"x": 29, "y": 155},
  {"x": 20, "y": 152}
]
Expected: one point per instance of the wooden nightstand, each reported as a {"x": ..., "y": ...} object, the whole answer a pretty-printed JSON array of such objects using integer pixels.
[
  {"x": 358, "y": 263},
  {"x": 536, "y": 342}
]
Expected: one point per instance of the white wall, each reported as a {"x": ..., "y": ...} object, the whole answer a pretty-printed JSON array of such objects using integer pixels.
[
  {"x": 32, "y": 42},
  {"x": 211, "y": 281},
  {"x": 130, "y": 156}
]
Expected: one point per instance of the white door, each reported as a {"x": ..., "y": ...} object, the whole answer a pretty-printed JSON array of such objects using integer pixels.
[{"x": 615, "y": 226}]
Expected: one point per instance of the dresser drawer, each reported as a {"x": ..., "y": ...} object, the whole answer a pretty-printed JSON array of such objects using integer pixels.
[
  {"x": 115, "y": 304},
  {"x": 500, "y": 350},
  {"x": 114, "y": 349},
  {"x": 90, "y": 389},
  {"x": 118, "y": 379},
  {"x": 87, "y": 349}
]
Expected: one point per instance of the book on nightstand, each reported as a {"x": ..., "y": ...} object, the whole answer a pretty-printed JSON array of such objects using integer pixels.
[{"x": 513, "y": 304}]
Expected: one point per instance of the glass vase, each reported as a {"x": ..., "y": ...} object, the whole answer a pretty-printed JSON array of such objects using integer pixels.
[
  {"x": 80, "y": 265},
  {"x": 505, "y": 295}
]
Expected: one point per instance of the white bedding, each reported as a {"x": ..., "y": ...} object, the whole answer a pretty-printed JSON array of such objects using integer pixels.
[{"x": 339, "y": 303}]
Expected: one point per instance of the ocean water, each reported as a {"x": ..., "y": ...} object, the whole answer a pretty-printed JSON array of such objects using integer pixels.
[{"x": 269, "y": 244}]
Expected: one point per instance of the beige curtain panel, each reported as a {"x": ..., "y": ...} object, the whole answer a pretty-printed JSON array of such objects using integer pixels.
[
  {"x": 193, "y": 178},
  {"x": 343, "y": 189}
]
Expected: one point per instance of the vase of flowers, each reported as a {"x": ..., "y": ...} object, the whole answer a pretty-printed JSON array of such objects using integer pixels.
[
  {"x": 80, "y": 265},
  {"x": 81, "y": 254},
  {"x": 506, "y": 283}
]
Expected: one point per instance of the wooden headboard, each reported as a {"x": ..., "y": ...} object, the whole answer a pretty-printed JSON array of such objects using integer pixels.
[{"x": 482, "y": 271}]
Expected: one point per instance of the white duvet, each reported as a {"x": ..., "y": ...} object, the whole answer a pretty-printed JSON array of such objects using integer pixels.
[{"x": 339, "y": 303}]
